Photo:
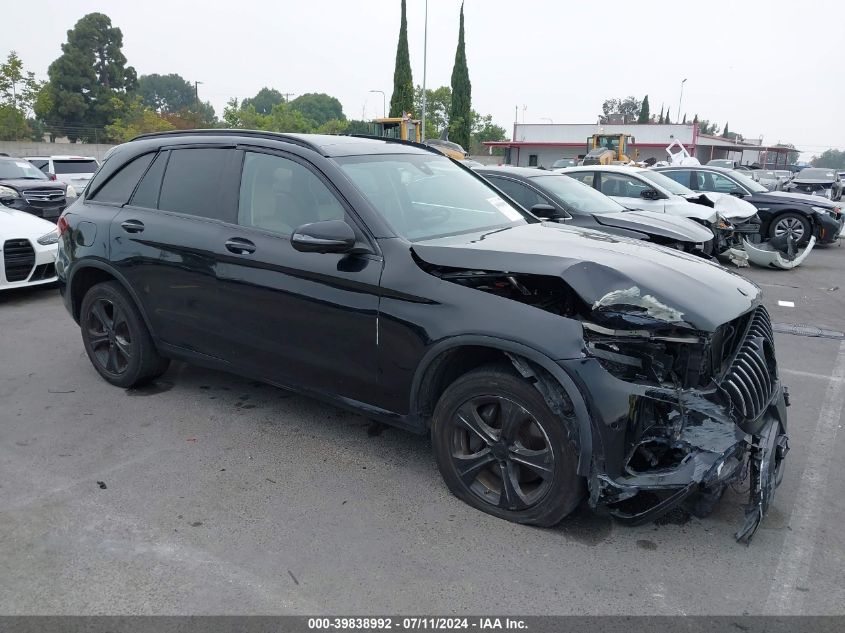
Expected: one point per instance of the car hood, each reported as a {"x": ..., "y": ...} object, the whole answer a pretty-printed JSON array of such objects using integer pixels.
[
  {"x": 668, "y": 226},
  {"x": 727, "y": 206},
  {"x": 606, "y": 271},
  {"x": 814, "y": 181},
  {"x": 26, "y": 184},
  {"x": 19, "y": 224},
  {"x": 779, "y": 197}
]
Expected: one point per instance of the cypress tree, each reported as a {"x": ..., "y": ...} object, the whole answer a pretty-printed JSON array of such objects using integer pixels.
[
  {"x": 402, "y": 99},
  {"x": 668, "y": 118},
  {"x": 644, "y": 113},
  {"x": 725, "y": 131},
  {"x": 460, "y": 115},
  {"x": 660, "y": 120}
]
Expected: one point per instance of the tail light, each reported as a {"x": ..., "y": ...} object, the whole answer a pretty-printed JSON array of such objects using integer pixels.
[
  {"x": 51, "y": 176},
  {"x": 62, "y": 225}
]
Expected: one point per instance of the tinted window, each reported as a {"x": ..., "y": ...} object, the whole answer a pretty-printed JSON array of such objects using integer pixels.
[
  {"x": 582, "y": 176},
  {"x": 519, "y": 192},
  {"x": 120, "y": 186},
  {"x": 279, "y": 195},
  {"x": 532, "y": 160},
  {"x": 622, "y": 185},
  {"x": 682, "y": 177},
  {"x": 41, "y": 164},
  {"x": 711, "y": 181},
  {"x": 192, "y": 182},
  {"x": 75, "y": 166},
  {"x": 146, "y": 195}
]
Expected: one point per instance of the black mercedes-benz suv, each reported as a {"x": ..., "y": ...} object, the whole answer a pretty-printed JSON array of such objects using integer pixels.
[{"x": 382, "y": 276}]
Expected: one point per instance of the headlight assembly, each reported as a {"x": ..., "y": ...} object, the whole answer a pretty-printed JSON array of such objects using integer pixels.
[
  {"x": 49, "y": 238},
  {"x": 8, "y": 192}
]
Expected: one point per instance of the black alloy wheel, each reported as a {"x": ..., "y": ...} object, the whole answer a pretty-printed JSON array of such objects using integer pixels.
[
  {"x": 116, "y": 338},
  {"x": 501, "y": 449}
]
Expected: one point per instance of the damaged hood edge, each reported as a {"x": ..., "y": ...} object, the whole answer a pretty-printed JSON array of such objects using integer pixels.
[{"x": 605, "y": 271}]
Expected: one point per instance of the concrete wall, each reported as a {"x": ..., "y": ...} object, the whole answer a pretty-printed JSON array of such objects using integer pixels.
[{"x": 27, "y": 148}]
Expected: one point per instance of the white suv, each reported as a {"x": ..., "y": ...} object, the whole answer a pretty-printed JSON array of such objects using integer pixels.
[{"x": 73, "y": 170}]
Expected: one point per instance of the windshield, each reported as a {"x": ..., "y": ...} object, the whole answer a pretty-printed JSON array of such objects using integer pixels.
[
  {"x": 816, "y": 174},
  {"x": 20, "y": 170},
  {"x": 576, "y": 195},
  {"x": 428, "y": 196},
  {"x": 666, "y": 183},
  {"x": 747, "y": 182},
  {"x": 75, "y": 166}
]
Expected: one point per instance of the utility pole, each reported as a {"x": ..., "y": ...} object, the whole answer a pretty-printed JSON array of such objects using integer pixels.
[
  {"x": 681, "y": 99},
  {"x": 425, "y": 54},
  {"x": 197, "y": 94},
  {"x": 383, "y": 103},
  {"x": 287, "y": 96}
]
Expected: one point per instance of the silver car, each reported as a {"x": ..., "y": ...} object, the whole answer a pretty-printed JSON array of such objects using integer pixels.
[{"x": 767, "y": 178}]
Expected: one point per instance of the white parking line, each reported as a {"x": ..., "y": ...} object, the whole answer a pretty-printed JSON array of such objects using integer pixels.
[{"x": 799, "y": 545}]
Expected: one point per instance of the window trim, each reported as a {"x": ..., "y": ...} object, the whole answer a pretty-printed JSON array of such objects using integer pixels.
[{"x": 111, "y": 177}]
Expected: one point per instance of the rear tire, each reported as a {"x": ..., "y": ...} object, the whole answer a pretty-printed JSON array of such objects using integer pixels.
[
  {"x": 500, "y": 449},
  {"x": 116, "y": 338}
]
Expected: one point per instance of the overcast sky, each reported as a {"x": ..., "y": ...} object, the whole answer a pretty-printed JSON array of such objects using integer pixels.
[{"x": 771, "y": 68}]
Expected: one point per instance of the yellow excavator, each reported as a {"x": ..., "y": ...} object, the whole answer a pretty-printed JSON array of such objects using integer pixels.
[{"x": 610, "y": 149}]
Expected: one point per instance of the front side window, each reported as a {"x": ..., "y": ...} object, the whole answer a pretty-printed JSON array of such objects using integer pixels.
[
  {"x": 280, "y": 195},
  {"x": 191, "y": 183},
  {"x": 587, "y": 177},
  {"x": 717, "y": 183},
  {"x": 423, "y": 196},
  {"x": 661, "y": 181}
]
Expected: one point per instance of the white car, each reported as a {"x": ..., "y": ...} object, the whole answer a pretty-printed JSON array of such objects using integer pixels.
[
  {"x": 73, "y": 170},
  {"x": 28, "y": 247},
  {"x": 638, "y": 188}
]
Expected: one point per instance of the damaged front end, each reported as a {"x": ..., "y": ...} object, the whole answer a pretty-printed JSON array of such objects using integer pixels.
[{"x": 682, "y": 414}]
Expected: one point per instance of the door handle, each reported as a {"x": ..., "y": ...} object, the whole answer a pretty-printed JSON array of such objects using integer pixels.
[
  {"x": 240, "y": 246},
  {"x": 132, "y": 226}
]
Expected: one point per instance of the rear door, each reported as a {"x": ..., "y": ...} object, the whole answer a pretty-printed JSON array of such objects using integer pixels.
[
  {"x": 168, "y": 239},
  {"x": 304, "y": 319}
]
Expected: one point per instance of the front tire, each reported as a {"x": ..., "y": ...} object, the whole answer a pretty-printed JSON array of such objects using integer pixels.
[
  {"x": 116, "y": 339},
  {"x": 793, "y": 224},
  {"x": 500, "y": 449}
]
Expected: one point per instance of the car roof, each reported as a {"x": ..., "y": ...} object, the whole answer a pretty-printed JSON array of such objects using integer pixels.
[
  {"x": 525, "y": 172},
  {"x": 723, "y": 170},
  {"x": 60, "y": 157},
  {"x": 618, "y": 168},
  {"x": 329, "y": 145}
]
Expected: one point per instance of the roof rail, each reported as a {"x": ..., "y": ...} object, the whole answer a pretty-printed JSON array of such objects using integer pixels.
[
  {"x": 296, "y": 140},
  {"x": 400, "y": 141}
]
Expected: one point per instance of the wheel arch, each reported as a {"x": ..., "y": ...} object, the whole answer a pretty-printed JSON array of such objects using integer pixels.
[
  {"x": 451, "y": 358},
  {"x": 87, "y": 274}
]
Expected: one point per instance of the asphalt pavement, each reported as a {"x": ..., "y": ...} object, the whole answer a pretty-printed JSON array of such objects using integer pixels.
[{"x": 209, "y": 494}]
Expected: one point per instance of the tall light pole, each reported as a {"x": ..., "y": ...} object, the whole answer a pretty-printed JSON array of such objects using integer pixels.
[
  {"x": 425, "y": 55},
  {"x": 383, "y": 103},
  {"x": 681, "y": 99},
  {"x": 197, "y": 93}
]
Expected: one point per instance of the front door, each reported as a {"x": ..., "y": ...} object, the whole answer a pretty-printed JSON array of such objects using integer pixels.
[
  {"x": 627, "y": 191},
  {"x": 299, "y": 319}
]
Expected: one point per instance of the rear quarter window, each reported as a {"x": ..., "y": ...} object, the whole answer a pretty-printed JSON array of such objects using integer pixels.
[
  {"x": 119, "y": 188},
  {"x": 75, "y": 166}
]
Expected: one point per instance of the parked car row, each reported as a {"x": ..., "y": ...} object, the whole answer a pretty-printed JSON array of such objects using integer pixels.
[{"x": 548, "y": 360}]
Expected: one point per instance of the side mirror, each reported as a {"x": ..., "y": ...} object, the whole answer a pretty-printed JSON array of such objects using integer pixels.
[
  {"x": 545, "y": 211},
  {"x": 739, "y": 193},
  {"x": 649, "y": 194},
  {"x": 330, "y": 236}
]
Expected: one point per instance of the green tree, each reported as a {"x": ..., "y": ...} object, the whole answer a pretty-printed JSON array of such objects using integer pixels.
[
  {"x": 437, "y": 109},
  {"x": 264, "y": 100},
  {"x": 19, "y": 91},
  {"x": 136, "y": 119},
  {"x": 628, "y": 109},
  {"x": 792, "y": 157},
  {"x": 166, "y": 93},
  {"x": 356, "y": 126},
  {"x": 668, "y": 118},
  {"x": 319, "y": 108},
  {"x": 460, "y": 112},
  {"x": 831, "y": 158},
  {"x": 13, "y": 125},
  {"x": 282, "y": 118},
  {"x": 725, "y": 132},
  {"x": 402, "y": 99},
  {"x": 89, "y": 81},
  {"x": 660, "y": 119},
  {"x": 645, "y": 115},
  {"x": 706, "y": 127},
  {"x": 483, "y": 129}
]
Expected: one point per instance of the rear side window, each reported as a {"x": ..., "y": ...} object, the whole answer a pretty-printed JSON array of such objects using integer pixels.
[
  {"x": 75, "y": 166},
  {"x": 120, "y": 186},
  {"x": 41, "y": 164},
  {"x": 192, "y": 182},
  {"x": 520, "y": 192},
  {"x": 146, "y": 195}
]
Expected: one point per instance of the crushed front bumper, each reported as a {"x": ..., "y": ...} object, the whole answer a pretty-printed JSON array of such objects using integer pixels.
[{"x": 655, "y": 449}]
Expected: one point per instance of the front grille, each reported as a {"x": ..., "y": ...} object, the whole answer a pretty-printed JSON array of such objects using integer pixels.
[
  {"x": 19, "y": 258},
  {"x": 43, "y": 271},
  {"x": 752, "y": 377},
  {"x": 35, "y": 196}
]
